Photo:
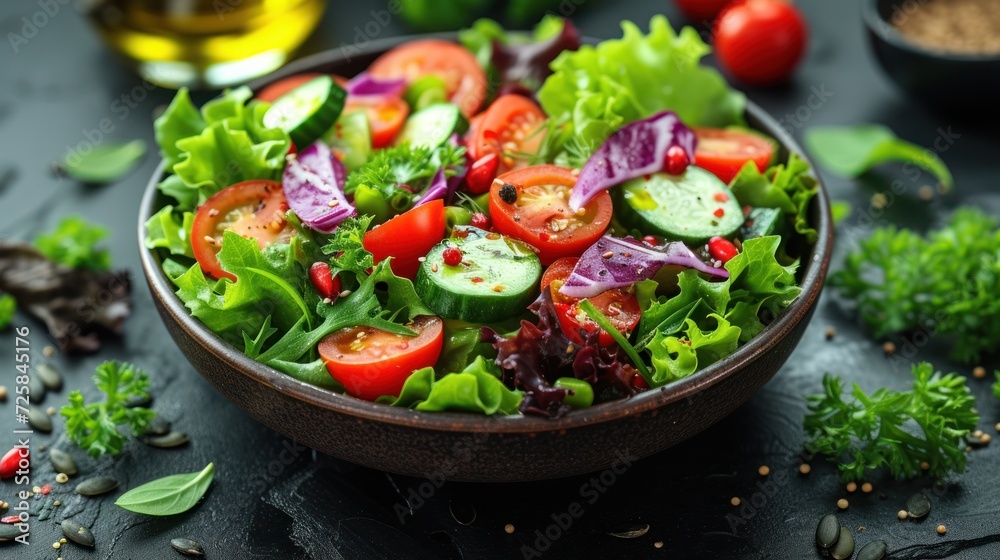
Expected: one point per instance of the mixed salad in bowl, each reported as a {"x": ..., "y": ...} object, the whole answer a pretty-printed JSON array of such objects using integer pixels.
[{"x": 512, "y": 224}]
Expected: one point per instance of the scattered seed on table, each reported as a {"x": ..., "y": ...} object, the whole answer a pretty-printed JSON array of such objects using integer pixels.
[
  {"x": 852, "y": 486},
  {"x": 631, "y": 531},
  {"x": 509, "y": 529},
  {"x": 842, "y": 503},
  {"x": 735, "y": 501},
  {"x": 941, "y": 529},
  {"x": 918, "y": 505},
  {"x": 39, "y": 420},
  {"x": 57, "y": 503},
  {"x": 926, "y": 192},
  {"x": 805, "y": 468},
  {"x": 830, "y": 333},
  {"x": 879, "y": 201},
  {"x": 875, "y": 550},
  {"x": 96, "y": 486},
  {"x": 889, "y": 348},
  {"x": 658, "y": 544},
  {"x": 3, "y": 392},
  {"x": 844, "y": 548},
  {"x": 62, "y": 462},
  {"x": 979, "y": 372},
  {"x": 49, "y": 376},
  {"x": 978, "y": 433},
  {"x": 764, "y": 470},
  {"x": 828, "y": 531},
  {"x": 997, "y": 427},
  {"x": 49, "y": 351},
  {"x": 867, "y": 488},
  {"x": 51, "y": 411},
  {"x": 986, "y": 438},
  {"x": 57, "y": 545},
  {"x": 925, "y": 465},
  {"x": 77, "y": 533},
  {"x": 187, "y": 547}
]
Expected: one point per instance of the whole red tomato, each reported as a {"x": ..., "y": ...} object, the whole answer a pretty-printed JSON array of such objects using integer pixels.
[
  {"x": 702, "y": 10},
  {"x": 760, "y": 42}
]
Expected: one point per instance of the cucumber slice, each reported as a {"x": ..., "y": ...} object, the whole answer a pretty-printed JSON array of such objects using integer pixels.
[
  {"x": 307, "y": 111},
  {"x": 426, "y": 91},
  {"x": 351, "y": 139},
  {"x": 433, "y": 126},
  {"x": 692, "y": 207},
  {"x": 496, "y": 280},
  {"x": 761, "y": 222}
]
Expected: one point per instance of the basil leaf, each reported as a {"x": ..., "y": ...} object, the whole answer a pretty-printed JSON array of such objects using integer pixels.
[
  {"x": 850, "y": 151},
  {"x": 169, "y": 495},
  {"x": 104, "y": 163}
]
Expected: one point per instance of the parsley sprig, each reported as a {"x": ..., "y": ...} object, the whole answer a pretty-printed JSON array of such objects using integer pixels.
[
  {"x": 76, "y": 243},
  {"x": 406, "y": 164},
  {"x": 346, "y": 249},
  {"x": 891, "y": 429},
  {"x": 94, "y": 426}
]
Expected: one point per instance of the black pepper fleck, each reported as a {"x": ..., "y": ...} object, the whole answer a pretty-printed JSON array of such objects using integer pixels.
[{"x": 508, "y": 193}]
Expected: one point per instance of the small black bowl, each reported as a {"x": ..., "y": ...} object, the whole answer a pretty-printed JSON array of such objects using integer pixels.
[{"x": 949, "y": 83}]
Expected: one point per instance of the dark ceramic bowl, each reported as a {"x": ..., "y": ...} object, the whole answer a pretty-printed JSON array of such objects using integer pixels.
[
  {"x": 951, "y": 83},
  {"x": 469, "y": 447}
]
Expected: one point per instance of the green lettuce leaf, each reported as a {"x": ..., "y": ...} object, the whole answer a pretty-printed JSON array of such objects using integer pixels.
[
  {"x": 676, "y": 357},
  {"x": 477, "y": 388},
  {"x": 789, "y": 188},
  {"x": 165, "y": 231},
  {"x": 598, "y": 89},
  {"x": 8, "y": 307},
  {"x": 226, "y": 143}
]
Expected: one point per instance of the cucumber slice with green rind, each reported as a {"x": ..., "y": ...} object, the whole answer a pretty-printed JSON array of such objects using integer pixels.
[
  {"x": 307, "y": 112},
  {"x": 692, "y": 207},
  {"x": 761, "y": 222},
  {"x": 496, "y": 280},
  {"x": 351, "y": 139},
  {"x": 433, "y": 126}
]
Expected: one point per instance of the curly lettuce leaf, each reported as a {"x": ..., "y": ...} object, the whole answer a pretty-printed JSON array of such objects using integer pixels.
[
  {"x": 596, "y": 90},
  {"x": 789, "y": 188},
  {"x": 477, "y": 388},
  {"x": 676, "y": 357},
  {"x": 167, "y": 230},
  {"x": 227, "y": 142}
]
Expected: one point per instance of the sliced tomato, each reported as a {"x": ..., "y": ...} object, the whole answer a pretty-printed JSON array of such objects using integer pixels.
[
  {"x": 386, "y": 116},
  {"x": 620, "y": 306},
  {"x": 465, "y": 81},
  {"x": 725, "y": 152},
  {"x": 512, "y": 128},
  {"x": 370, "y": 363},
  {"x": 272, "y": 92},
  {"x": 541, "y": 217},
  {"x": 253, "y": 209},
  {"x": 407, "y": 237}
]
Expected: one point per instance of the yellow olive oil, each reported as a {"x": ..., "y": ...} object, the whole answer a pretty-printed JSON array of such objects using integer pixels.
[{"x": 205, "y": 43}]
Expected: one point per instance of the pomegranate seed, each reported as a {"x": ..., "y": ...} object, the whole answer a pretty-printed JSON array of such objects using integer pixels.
[
  {"x": 677, "y": 160},
  {"x": 326, "y": 285},
  {"x": 722, "y": 249},
  {"x": 452, "y": 256},
  {"x": 650, "y": 240},
  {"x": 45, "y": 489},
  {"x": 10, "y": 519},
  {"x": 719, "y": 212},
  {"x": 11, "y": 461},
  {"x": 639, "y": 382},
  {"x": 481, "y": 221},
  {"x": 482, "y": 173}
]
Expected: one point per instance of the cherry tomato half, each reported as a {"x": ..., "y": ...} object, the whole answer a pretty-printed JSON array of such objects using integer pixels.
[
  {"x": 620, "y": 306},
  {"x": 511, "y": 128},
  {"x": 370, "y": 362},
  {"x": 407, "y": 237},
  {"x": 725, "y": 152},
  {"x": 760, "y": 42},
  {"x": 540, "y": 215},
  {"x": 386, "y": 117},
  {"x": 253, "y": 209},
  {"x": 464, "y": 79}
]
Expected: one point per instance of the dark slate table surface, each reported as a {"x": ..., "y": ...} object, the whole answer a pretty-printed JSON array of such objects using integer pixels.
[{"x": 274, "y": 499}]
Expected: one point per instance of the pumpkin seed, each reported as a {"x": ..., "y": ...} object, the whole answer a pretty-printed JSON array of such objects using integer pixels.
[
  {"x": 39, "y": 420},
  {"x": 96, "y": 486},
  {"x": 918, "y": 505},
  {"x": 8, "y": 532},
  {"x": 49, "y": 376},
  {"x": 875, "y": 550},
  {"x": 36, "y": 389},
  {"x": 158, "y": 426},
  {"x": 844, "y": 548},
  {"x": 630, "y": 531},
  {"x": 62, "y": 461},
  {"x": 462, "y": 512},
  {"x": 78, "y": 533},
  {"x": 187, "y": 547},
  {"x": 173, "y": 439},
  {"x": 828, "y": 531}
]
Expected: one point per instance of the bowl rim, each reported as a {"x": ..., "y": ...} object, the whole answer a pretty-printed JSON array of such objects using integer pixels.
[
  {"x": 884, "y": 29},
  {"x": 817, "y": 264}
]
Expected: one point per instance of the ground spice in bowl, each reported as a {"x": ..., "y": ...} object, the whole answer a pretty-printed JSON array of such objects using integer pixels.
[{"x": 965, "y": 27}]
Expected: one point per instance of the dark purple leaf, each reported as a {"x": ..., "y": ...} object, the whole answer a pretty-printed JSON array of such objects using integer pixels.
[{"x": 523, "y": 67}]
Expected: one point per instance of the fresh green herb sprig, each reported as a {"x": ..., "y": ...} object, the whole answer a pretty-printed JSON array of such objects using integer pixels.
[
  {"x": 8, "y": 306},
  {"x": 346, "y": 248},
  {"x": 899, "y": 431},
  {"x": 169, "y": 495},
  {"x": 945, "y": 282},
  {"x": 76, "y": 244},
  {"x": 95, "y": 426}
]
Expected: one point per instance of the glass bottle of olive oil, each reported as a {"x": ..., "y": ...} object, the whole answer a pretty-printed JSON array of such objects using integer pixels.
[{"x": 204, "y": 43}]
